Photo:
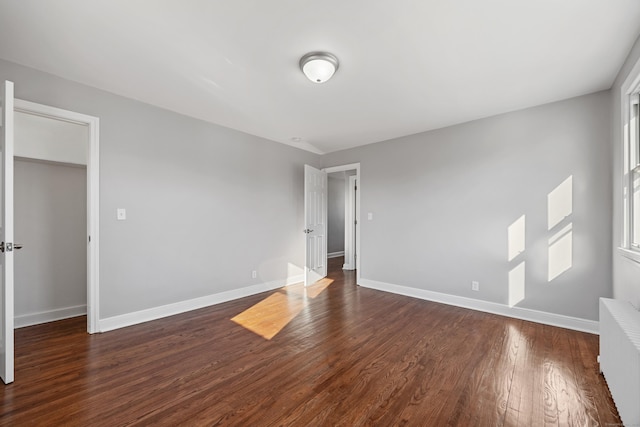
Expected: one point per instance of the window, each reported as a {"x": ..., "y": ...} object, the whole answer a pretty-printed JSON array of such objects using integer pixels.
[
  {"x": 630, "y": 97},
  {"x": 633, "y": 137}
]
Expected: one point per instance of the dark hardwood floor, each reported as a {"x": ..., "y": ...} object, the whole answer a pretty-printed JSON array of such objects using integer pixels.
[{"x": 334, "y": 354}]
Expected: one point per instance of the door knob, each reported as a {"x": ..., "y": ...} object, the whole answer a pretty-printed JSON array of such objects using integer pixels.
[
  {"x": 307, "y": 231},
  {"x": 8, "y": 247}
]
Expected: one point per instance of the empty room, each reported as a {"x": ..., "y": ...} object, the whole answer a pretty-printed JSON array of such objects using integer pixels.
[{"x": 289, "y": 213}]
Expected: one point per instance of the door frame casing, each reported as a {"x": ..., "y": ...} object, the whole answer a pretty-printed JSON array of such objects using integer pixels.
[
  {"x": 7, "y": 347},
  {"x": 93, "y": 198},
  {"x": 356, "y": 167},
  {"x": 350, "y": 223}
]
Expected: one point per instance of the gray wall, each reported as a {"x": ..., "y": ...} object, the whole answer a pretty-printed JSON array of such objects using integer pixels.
[
  {"x": 206, "y": 205},
  {"x": 442, "y": 202},
  {"x": 50, "y": 220},
  {"x": 626, "y": 273},
  {"x": 335, "y": 212}
]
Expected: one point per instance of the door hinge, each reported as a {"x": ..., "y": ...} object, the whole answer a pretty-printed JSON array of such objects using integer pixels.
[
  {"x": 355, "y": 222},
  {"x": 89, "y": 239}
]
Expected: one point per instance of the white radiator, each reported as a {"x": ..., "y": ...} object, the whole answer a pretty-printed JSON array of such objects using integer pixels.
[{"x": 620, "y": 356}]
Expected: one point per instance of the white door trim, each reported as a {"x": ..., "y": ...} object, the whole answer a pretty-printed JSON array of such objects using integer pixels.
[
  {"x": 93, "y": 198},
  {"x": 7, "y": 354},
  {"x": 356, "y": 167},
  {"x": 350, "y": 223}
]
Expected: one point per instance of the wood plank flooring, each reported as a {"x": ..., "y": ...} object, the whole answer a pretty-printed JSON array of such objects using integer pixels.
[{"x": 332, "y": 355}]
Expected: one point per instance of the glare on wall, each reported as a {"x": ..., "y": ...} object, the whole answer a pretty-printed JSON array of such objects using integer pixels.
[
  {"x": 515, "y": 247},
  {"x": 561, "y": 252},
  {"x": 516, "y": 238},
  {"x": 560, "y": 203},
  {"x": 517, "y": 284},
  {"x": 559, "y": 208}
]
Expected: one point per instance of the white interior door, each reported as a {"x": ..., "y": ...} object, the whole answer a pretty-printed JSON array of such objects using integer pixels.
[
  {"x": 6, "y": 235},
  {"x": 315, "y": 213}
]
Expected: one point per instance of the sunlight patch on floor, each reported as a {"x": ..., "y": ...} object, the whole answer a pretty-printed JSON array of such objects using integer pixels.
[
  {"x": 310, "y": 291},
  {"x": 268, "y": 317}
]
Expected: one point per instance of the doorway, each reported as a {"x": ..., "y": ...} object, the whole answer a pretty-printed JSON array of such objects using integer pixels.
[
  {"x": 58, "y": 145},
  {"x": 341, "y": 216},
  {"x": 50, "y": 217},
  {"x": 349, "y": 177}
]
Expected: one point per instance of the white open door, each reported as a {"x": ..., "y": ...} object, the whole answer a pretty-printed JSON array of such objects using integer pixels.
[
  {"x": 315, "y": 214},
  {"x": 6, "y": 235}
]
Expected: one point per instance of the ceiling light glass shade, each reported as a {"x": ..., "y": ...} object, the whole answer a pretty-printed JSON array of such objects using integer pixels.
[{"x": 319, "y": 66}]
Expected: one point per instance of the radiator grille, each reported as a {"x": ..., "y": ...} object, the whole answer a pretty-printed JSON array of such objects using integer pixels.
[{"x": 620, "y": 356}]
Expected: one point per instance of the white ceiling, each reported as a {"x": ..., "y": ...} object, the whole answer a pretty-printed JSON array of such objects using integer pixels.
[{"x": 406, "y": 66}]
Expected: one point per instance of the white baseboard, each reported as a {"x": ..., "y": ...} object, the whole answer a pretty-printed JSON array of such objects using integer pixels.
[
  {"x": 129, "y": 319},
  {"x": 552, "y": 319},
  {"x": 295, "y": 279},
  {"x": 335, "y": 254},
  {"x": 49, "y": 316}
]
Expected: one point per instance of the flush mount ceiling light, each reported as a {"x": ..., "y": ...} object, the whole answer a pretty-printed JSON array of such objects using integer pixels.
[{"x": 319, "y": 66}]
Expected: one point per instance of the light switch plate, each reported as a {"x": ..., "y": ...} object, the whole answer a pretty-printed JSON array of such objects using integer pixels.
[
  {"x": 121, "y": 214},
  {"x": 370, "y": 216}
]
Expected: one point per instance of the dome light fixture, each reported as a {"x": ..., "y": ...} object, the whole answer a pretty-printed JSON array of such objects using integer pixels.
[{"x": 319, "y": 66}]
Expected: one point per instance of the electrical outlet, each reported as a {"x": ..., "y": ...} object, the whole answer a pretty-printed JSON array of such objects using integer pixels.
[
  {"x": 475, "y": 286},
  {"x": 121, "y": 214},
  {"x": 254, "y": 274}
]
